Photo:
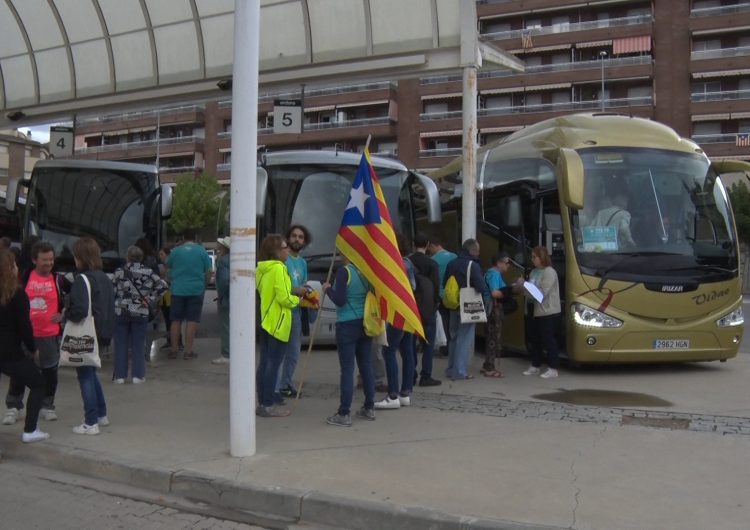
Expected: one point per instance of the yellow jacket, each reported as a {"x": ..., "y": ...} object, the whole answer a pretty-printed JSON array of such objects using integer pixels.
[{"x": 276, "y": 299}]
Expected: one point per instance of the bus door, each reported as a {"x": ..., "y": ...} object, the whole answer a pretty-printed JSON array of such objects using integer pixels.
[
  {"x": 550, "y": 236},
  {"x": 503, "y": 227}
]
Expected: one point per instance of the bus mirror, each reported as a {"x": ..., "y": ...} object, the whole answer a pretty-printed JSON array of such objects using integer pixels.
[
  {"x": 261, "y": 192},
  {"x": 166, "y": 201},
  {"x": 570, "y": 170},
  {"x": 731, "y": 166},
  {"x": 432, "y": 198},
  {"x": 11, "y": 194}
]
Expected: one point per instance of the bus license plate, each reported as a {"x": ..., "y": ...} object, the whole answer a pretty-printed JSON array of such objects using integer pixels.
[{"x": 671, "y": 344}]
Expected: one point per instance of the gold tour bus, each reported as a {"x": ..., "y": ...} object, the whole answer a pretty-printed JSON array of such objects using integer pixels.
[{"x": 639, "y": 227}]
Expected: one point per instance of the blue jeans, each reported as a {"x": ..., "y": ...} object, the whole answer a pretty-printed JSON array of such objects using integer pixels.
[
  {"x": 291, "y": 355},
  {"x": 94, "y": 406},
  {"x": 224, "y": 319},
  {"x": 428, "y": 347},
  {"x": 271, "y": 355},
  {"x": 130, "y": 333},
  {"x": 460, "y": 347},
  {"x": 404, "y": 342},
  {"x": 352, "y": 343}
]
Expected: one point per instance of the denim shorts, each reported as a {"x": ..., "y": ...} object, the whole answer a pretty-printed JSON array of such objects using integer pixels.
[{"x": 186, "y": 308}]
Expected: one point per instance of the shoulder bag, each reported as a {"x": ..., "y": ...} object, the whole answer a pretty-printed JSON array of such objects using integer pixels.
[
  {"x": 79, "y": 346},
  {"x": 471, "y": 305}
]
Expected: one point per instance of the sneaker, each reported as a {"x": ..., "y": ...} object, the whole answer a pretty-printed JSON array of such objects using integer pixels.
[
  {"x": 289, "y": 392},
  {"x": 86, "y": 429},
  {"x": 139, "y": 380},
  {"x": 48, "y": 414},
  {"x": 404, "y": 401},
  {"x": 11, "y": 415},
  {"x": 119, "y": 381},
  {"x": 103, "y": 421},
  {"x": 532, "y": 370},
  {"x": 272, "y": 412},
  {"x": 366, "y": 414},
  {"x": 340, "y": 420},
  {"x": 36, "y": 436},
  {"x": 549, "y": 373},
  {"x": 189, "y": 355},
  {"x": 220, "y": 360},
  {"x": 388, "y": 403},
  {"x": 429, "y": 381}
]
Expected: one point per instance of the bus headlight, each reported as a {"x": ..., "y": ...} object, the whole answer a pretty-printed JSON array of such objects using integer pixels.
[
  {"x": 735, "y": 318},
  {"x": 585, "y": 316}
]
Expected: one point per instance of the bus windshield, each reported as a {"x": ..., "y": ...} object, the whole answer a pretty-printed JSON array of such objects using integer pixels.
[
  {"x": 114, "y": 207},
  {"x": 651, "y": 211},
  {"x": 316, "y": 197}
]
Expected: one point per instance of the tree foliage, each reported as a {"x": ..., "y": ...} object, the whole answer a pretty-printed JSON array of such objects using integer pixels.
[
  {"x": 195, "y": 203},
  {"x": 740, "y": 197}
]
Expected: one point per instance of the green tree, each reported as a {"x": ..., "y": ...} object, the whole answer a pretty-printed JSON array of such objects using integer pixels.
[
  {"x": 195, "y": 203},
  {"x": 740, "y": 197}
]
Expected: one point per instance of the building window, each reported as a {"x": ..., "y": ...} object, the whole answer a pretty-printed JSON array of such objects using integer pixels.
[
  {"x": 704, "y": 87},
  {"x": 707, "y": 127},
  {"x": 706, "y": 44},
  {"x": 435, "y": 108}
]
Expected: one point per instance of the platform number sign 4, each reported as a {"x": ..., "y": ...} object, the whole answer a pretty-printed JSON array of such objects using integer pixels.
[{"x": 60, "y": 141}]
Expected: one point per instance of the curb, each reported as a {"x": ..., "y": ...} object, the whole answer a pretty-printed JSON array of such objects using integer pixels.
[{"x": 274, "y": 506}]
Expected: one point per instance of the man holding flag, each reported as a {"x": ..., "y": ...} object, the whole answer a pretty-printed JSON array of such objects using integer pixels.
[{"x": 367, "y": 240}]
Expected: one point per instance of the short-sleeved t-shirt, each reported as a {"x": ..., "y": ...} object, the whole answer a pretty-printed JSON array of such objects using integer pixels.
[{"x": 188, "y": 265}]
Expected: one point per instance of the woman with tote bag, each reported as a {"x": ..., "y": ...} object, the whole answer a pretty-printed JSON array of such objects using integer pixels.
[{"x": 94, "y": 285}]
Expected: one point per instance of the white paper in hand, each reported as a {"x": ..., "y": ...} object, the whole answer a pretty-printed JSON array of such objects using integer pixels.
[{"x": 534, "y": 291}]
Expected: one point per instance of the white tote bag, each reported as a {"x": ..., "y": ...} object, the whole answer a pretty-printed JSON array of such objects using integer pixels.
[
  {"x": 79, "y": 346},
  {"x": 471, "y": 305},
  {"x": 440, "y": 338}
]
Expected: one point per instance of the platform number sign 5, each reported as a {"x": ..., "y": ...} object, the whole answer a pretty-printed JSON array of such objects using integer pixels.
[
  {"x": 60, "y": 141},
  {"x": 287, "y": 116}
]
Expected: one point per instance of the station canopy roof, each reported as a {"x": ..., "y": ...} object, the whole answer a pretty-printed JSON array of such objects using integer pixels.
[{"x": 64, "y": 57}]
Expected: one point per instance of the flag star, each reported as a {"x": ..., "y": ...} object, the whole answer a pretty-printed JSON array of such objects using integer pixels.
[{"x": 357, "y": 199}]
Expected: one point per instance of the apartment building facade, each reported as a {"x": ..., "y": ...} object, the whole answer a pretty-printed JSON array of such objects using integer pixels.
[{"x": 684, "y": 63}]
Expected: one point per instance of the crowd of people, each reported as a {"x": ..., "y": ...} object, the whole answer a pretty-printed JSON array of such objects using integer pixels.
[
  {"x": 32, "y": 300},
  {"x": 281, "y": 284}
]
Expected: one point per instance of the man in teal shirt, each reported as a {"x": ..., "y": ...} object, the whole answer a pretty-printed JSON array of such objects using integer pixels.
[
  {"x": 297, "y": 237},
  {"x": 189, "y": 269},
  {"x": 442, "y": 257}
]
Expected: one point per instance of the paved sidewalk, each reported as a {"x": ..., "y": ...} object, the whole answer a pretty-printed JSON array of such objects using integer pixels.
[{"x": 488, "y": 453}]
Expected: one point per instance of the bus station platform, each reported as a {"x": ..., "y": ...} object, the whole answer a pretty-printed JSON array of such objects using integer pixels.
[{"x": 646, "y": 447}]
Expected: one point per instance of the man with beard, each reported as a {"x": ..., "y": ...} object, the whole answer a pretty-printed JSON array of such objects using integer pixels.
[{"x": 297, "y": 237}]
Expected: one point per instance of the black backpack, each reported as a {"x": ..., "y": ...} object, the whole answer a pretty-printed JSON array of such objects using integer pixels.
[{"x": 424, "y": 293}]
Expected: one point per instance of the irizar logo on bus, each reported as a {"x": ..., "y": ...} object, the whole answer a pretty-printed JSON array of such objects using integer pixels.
[
  {"x": 672, "y": 288},
  {"x": 709, "y": 297}
]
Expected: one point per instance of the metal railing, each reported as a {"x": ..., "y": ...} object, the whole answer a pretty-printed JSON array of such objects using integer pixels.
[
  {"x": 330, "y": 91},
  {"x": 725, "y": 95},
  {"x": 571, "y": 26},
  {"x": 542, "y": 68},
  {"x": 445, "y": 151},
  {"x": 547, "y": 107},
  {"x": 719, "y": 10},
  {"x": 714, "y": 138},
  {"x": 170, "y": 170},
  {"x": 138, "y": 145},
  {"x": 140, "y": 114},
  {"x": 720, "y": 53},
  {"x": 383, "y": 120},
  {"x": 225, "y": 166}
]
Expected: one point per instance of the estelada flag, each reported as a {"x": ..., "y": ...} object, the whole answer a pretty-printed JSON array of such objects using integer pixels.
[{"x": 367, "y": 239}]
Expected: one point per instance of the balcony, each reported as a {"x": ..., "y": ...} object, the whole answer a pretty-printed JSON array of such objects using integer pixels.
[
  {"x": 543, "y": 68},
  {"x": 138, "y": 145},
  {"x": 177, "y": 170},
  {"x": 547, "y": 107},
  {"x": 727, "y": 95},
  {"x": 225, "y": 166},
  {"x": 332, "y": 91},
  {"x": 701, "y": 139},
  {"x": 720, "y": 10},
  {"x": 571, "y": 27},
  {"x": 445, "y": 151},
  {"x": 129, "y": 116},
  {"x": 721, "y": 53}
]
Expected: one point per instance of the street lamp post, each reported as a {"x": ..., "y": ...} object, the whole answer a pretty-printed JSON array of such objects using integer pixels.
[{"x": 602, "y": 55}]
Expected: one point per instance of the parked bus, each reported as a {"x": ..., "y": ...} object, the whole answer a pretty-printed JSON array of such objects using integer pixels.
[
  {"x": 639, "y": 227},
  {"x": 312, "y": 188},
  {"x": 115, "y": 203},
  {"x": 10, "y": 221}
]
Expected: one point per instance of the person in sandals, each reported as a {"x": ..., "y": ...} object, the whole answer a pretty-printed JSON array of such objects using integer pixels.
[{"x": 497, "y": 291}]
